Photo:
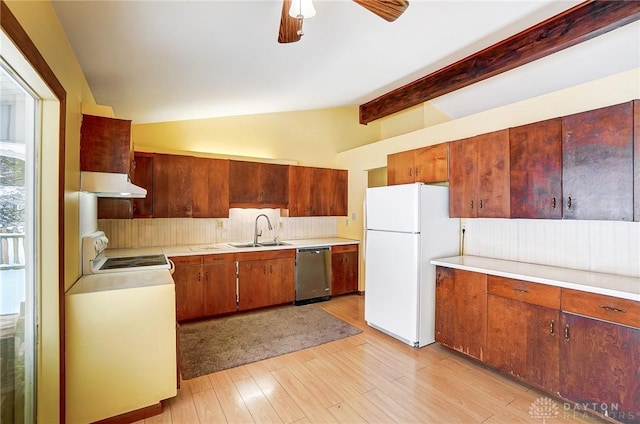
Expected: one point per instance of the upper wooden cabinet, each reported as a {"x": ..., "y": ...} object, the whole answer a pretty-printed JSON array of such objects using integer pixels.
[
  {"x": 597, "y": 158},
  {"x": 479, "y": 181},
  {"x": 427, "y": 164},
  {"x": 536, "y": 170},
  {"x": 105, "y": 145},
  {"x": 255, "y": 184},
  {"x": 210, "y": 188},
  {"x": 317, "y": 191},
  {"x": 143, "y": 177},
  {"x": 172, "y": 186},
  {"x": 636, "y": 161}
]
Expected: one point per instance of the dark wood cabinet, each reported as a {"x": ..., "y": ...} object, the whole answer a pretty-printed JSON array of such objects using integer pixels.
[
  {"x": 461, "y": 311},
  {"x": 114, "y": 208},
  {"x": 105, "y": 144},
  {"x": 210, "y": 188},
  {"x": 427, "y": 164},
  {"x": 344, "y": 269},
  {"x": 479, "y": 177},
  {"x": 143, "y": 177},
  {"x": 266, "y": 278},
  {"x": 172, "y": 186},
  {"x": 189, "y": 287},
  {"x": 523, "y": 327},
  {"x": 219, "y": 292},
  {"x": 636, "y": 159},
  {"x": 317, "y": 191},
  {"x": 597, "y": 157},
  {"x": 536, "y": 170},
  {"x": 601, "y": 366},
  {"x": 255, "y": 184}
]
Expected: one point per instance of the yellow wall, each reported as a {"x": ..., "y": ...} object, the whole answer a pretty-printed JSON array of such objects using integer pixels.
[
  {"x": 43, "y": 28},
  {"x": 310, "y": 138}
]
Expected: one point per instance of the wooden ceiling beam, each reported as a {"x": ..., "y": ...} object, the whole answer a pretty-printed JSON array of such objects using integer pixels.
[{"x": 580, "y": 23}]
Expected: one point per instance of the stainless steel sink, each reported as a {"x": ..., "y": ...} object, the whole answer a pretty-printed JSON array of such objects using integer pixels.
[{"x": 263, "y": 244}]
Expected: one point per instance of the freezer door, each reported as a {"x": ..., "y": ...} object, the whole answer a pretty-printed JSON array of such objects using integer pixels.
[
  {"x": 394, "y": 208},
  {"x": 391, "y": 284}
]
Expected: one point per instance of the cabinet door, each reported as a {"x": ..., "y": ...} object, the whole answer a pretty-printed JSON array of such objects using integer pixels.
[
  {"x": 636, "y": 156},
  {"x": 274, "y": 185},
  {"x": 281, "y": 279},
  {"x": 601, "y": 366},
  {"x": 172, "y": 186},
  {"x": 189, "y": 287},
  {"x": 105, "y": 144},
  {"x": 253, "y": 284},
  {"x": 445, "y": 305},
  {"x": 143, "y": 177},
  {"x": 431, "y": 163},
  {"x": 329, "y": 192},
  {"x": 463, "y": 178},
  {"x": 219, "y": 292},
  {"x": 543, "y": 348},
  {"x": 597, "y": 160},
  {"x": 344, "y": 269},
  {"x": 300, "y": 178},
  {"x": 114, "y": 208},
  {"x": 400, "y": 168},
  {"x": 494, "y": 197},
  {"x": 470, "y": 313},
  {"x": 536, "y": 170},
  {"x": 210, "y": 188}
]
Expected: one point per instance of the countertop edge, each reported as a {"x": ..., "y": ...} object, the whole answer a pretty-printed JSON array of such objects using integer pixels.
[{"x": 624, "y": 287}]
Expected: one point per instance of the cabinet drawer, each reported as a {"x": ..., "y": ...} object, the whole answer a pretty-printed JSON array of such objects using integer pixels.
[
  {"x": 219, "y": 258},
  {"x": 344, "y": 248},
  {"x": 609, "y": 308},
  {"x": 186, "y": 260},
  {"x": 525, "y": 291}
]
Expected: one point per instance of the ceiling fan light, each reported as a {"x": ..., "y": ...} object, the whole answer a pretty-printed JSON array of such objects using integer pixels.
[{"x": 302, "y": 9}]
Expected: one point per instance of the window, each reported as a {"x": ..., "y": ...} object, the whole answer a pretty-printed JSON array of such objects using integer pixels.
[{"x": 18, "y": 237}]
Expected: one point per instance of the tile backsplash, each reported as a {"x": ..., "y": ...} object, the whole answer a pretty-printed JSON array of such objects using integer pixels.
[
  {"x": 239, "y": 227},
  {"x": 601, "y": 246}
]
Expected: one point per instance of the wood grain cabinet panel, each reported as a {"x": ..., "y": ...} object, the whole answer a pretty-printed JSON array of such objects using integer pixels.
[
  {"x": 143, "y": 177},
  {"x": 479, "y": 176},
  {"x": 105, "y": 144},
  {"x": 317, "y": 191},
  {"x": 114, "y": 208},
  {"x": 210, "y": 188},
  {"x": 427, "y": 164},
  {"x": 189, "y": 287},
  {"x": 255, "y": 184},
  {"x": 344, "y": 269},
  {"x": 536, "y": 170},
  {"x": 172, "y": 186},
  {"x": 601, "y": 366},
  {"x": 461, "y": 311},
  {"x": 265, "y": 278},
  {"x": 597, "y": 157},
  {"x": 219, "y": 291}
]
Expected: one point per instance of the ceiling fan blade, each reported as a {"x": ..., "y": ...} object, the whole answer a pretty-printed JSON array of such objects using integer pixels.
[
  {"x": 389, "y": 10},
  {"x": 288, "y": 26}
]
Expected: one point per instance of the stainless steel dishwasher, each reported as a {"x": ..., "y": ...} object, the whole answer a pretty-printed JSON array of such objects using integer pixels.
[{"x": 313, "y": 275}]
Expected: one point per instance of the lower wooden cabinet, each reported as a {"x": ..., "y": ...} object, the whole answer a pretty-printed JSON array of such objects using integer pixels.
[
  {"x": 266, "y": 278},
  {"x": 582, "y": 347},
  {"x": 189, "y": 287},
  {"x": 461, "y": 310},
  {"x": 344, "y": 269},
  {"x": 219, "y": 291}
]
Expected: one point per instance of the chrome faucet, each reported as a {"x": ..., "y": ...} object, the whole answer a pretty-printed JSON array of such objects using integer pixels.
[{"x": 255, "y": 230}]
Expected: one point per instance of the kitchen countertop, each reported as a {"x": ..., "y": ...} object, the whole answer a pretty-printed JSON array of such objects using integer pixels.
[
  {"x": 218, "y": 248},
  {"x": 119, "y": 281},
  {"x": 593, "y": 282}
]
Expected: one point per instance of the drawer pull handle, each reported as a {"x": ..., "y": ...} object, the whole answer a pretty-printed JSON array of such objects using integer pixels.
[
  {"x": 612, "y": 309},
  {"x": 569, "y": 202},
  {"x": 553, "y": 202},
  {"x": 552, "y": 328},
  {"x": 521, "y": 291},
  {"x": 566, "y": 332}
]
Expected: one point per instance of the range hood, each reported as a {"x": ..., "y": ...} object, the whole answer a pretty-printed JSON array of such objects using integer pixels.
[{"x": 107, "y": 184}]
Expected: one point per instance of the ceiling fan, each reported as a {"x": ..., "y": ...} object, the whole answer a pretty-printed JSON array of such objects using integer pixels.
[{"x": 295, "y": 11}]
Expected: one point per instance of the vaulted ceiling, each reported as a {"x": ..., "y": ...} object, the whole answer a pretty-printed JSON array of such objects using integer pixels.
[{"x": 162, "y": 61}]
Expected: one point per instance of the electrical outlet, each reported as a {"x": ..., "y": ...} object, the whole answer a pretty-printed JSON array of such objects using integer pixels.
[
  {"x": 219, "y": 223},
  {"x": 280, "y": 225},
  {"x": 353, "y": 216}
]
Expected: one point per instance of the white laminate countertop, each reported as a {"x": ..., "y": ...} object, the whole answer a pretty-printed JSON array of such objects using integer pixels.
[
  {"x": 203, "y": 249},
  {"x": 593, "y": 282},
  {"x": 120, "y": 281}
]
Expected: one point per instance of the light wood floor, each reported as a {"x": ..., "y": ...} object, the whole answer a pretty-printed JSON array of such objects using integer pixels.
[{"x": 368, "y": 378}]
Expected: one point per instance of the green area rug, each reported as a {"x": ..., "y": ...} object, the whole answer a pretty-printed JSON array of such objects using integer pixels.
[{"x": 227, "y": 342}]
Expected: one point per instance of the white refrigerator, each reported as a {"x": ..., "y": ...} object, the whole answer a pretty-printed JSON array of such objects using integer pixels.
[{"x": 406, "y": 226}]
